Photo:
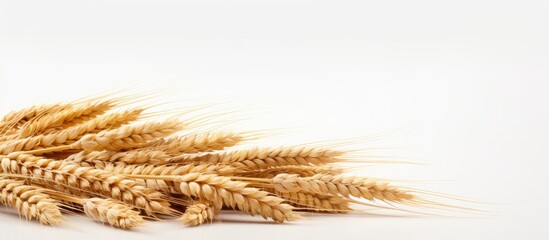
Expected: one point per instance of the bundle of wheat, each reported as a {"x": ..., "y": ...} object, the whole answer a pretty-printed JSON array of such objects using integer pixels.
[{"x": 92, "y": 157}]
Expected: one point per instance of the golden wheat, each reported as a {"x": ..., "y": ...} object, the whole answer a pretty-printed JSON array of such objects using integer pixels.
[
  {"x": 199, "y": 142},
  {"x": 15, "y": 119},
  {"x": 316, "y": 202},
  {"x": 262, "y": 158},
  {"x": 69, "y": 135},
  {"x": 340, "y": 185},
  {"x": 91, "y": 157},
  {"x": 197, "y": 214},
  {"x": 302, "y": 171},
  {"x": 112, "y": 212},
  {"x": 67, "y": 115},
  {"x": 222, "y": 190},
  {"x": 128, "y": 137},
  {"x": 136, "y": 156},
  {"x": 85, "y": 179},
  {"x": 30, "y": 201}
]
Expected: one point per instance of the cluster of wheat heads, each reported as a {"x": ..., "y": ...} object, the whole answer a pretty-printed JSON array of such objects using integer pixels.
[{"x": 119, "y": 166}]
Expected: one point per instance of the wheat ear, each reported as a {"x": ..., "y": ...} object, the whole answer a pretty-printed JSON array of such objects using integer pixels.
[
  {"x": 16, "y": 118},
  {"x": 136, "y": 156},
  {"x": 128, "y": 137},
  {"x": 112, "y": 212},
  {"x": 108, "y": 211},
  {"x": 30, "y": 201},
  {"x": 197, "y": 214},
  {"x": 173, "y": 170},
  {"x": 86, "y": 179},
  {"x": 316, "y": 202},
  {"x": 302, "y": 171},
  {"x": 340, "y": 185},
  {"x": 122, "y": 138},
  {"x": 222, "y": 190},
  {"x": 86, "y": 110},
  {"x": 199, "y": 142},
  {"x": 164, "y": 170},
  {"x": 262, "y": 158},
  {"x": 69, "y": 135}
]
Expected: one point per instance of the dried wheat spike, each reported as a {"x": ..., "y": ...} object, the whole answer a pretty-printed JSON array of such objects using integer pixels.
[
  {"x": 136, "y": 156},
  {"x": 340, "y": 185},
  {"x": 317, "y": 202},
  {"x": 69, "y": 135},
  {"x": 262, "y": 158},
  {"x": 165, "y": 170},
  {"x": 199, "y": 142},
  {"x": 30, "y": 201},
  {"x": 235, "y": 194},
  {"x": 88, "y": 109},
  {"x": 173, "y": 170},
  {"x": 60, "y": 174},
  {"x": 128, "y": 137},
  {"x": 302, "y": 171},
  {"x": 140, "y": 156},
  {"x": 112, "y": 212},
  {"x": 197, "y": 214},
  {"x": 15, "y": 119}
]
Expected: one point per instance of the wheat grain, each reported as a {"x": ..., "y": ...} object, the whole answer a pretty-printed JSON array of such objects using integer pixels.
[{"x": 30, "y": 201}]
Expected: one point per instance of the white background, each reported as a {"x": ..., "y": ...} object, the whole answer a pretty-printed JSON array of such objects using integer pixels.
[{"x": 463, "y": 84}]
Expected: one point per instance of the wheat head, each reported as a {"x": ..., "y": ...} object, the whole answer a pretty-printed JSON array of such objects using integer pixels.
[
  {"x": 346, "y": 186},
  {"x": 197, "y": 214},
  {"x": 30, "y": 201},
  {"x": 111, "y": 212},
  {"x": 85, "y": 179}
]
